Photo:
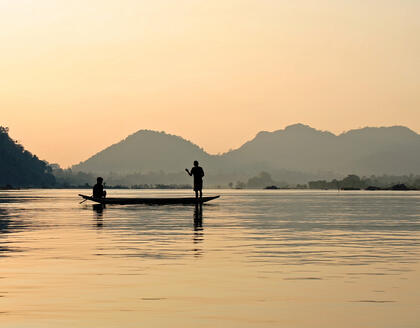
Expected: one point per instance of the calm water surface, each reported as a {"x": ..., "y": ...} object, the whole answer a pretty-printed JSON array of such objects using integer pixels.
[{"x": 249, "y": 259}]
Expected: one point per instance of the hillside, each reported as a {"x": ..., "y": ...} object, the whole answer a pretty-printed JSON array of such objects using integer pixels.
[
  {"x": 19, "y": 168},
  {"x": 145, "y": 151},
  {"x": 296, "y": 150},
  {"x": 393, "y": 150},
  {"x": 297, "y": 147}
]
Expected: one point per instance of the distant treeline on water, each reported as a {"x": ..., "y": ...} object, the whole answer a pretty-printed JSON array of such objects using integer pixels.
[
  {"x": 384, "y": 182},
  {"x": 161, "y": 180}
]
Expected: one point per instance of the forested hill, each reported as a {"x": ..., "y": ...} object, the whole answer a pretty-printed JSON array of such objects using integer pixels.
[{"x": 19, "y": 168}]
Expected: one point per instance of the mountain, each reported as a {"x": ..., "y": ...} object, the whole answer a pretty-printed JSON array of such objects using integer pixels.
[
  {"x": 145, "y": 151},
  {"x": 290, "y": 148},
  {"x": 393, "y": 150},
  {"x": 19, "y": 168},
  {"x": 296, "y": 150}
]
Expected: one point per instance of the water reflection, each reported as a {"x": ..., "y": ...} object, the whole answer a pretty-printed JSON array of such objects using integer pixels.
[
  {"x": 355, "y": 252},
  {"x": 4, "y": 221},
  {"x": 198, "y": 236},
  {"x": 147, "y": 231},
  {"x": 9, "y": 223},
  {"x": 198, "y": 217},
  {"x": 4, "y": 228},
  {"x": 99, "y": 213}
]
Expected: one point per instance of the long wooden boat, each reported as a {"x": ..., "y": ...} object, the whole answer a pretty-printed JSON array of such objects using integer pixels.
[{"x": 150, "y": 201}]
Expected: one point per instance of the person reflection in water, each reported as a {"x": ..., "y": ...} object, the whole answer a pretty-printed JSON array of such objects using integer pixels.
[
  {"x": 198, "y": 236},
  {"x": 198, "y": 174},
  {"x": 99, "y": 210},
  {"x": 98, "y": 189},
  {"x": 198, "y": 217}
]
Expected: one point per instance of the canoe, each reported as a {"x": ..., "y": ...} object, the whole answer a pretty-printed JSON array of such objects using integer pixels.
[{"x": 149, "y": 201}]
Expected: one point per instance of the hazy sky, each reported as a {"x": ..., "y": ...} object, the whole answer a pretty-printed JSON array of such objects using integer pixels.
[{"x": 77, "y": 76}]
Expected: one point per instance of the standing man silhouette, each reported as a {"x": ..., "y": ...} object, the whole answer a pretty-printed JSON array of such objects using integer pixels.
[{"x": 198, "y": 174}]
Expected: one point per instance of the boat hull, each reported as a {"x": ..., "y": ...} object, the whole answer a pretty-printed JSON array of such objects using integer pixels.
[{"x": 149, "y": 201}]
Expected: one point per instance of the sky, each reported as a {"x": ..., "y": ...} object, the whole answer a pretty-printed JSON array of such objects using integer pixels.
[{"x": 77, "y": 76}]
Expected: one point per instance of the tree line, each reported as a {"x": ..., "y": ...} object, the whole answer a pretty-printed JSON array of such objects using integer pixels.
[
  {"x": 373, "y": 182},
  {"x": 161, "y": 180}
]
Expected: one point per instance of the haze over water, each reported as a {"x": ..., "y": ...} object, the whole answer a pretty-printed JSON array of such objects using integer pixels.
[{"x": 254, "y": 259}]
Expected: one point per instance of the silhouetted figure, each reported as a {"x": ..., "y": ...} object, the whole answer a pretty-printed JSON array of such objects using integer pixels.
[
  {"x": 198, "y": 174},
  {"x": 98, "y": 189}
]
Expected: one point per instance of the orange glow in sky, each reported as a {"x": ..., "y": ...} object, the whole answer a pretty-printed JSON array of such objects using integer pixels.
[{"x": 77, "y": 76}]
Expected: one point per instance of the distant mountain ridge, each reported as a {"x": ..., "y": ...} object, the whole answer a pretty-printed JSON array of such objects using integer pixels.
[
  {"x": 365, "y": 151},
  {"x": 298, "y": 147}
]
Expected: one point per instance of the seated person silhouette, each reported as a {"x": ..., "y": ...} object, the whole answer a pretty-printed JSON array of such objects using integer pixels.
[
  {"x": 98, "y": 189},
  {"x": 198, "y": 174}
]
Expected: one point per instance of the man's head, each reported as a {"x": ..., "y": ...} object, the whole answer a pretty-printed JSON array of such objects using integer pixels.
[
  {"x": 99, "y": 180},
  {"x": 195, "y": 163}
]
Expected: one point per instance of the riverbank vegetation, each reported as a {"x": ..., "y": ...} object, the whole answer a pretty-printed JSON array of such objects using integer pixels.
[{"x": 383, "y": 182}]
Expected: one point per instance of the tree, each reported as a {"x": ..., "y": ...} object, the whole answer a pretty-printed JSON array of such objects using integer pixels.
[
  {"x": 262, "y": 180},
  {"x": 240, "y": 185},
  {"x": 352, "y": 181}
]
